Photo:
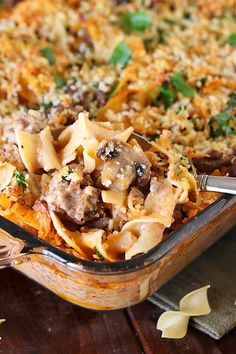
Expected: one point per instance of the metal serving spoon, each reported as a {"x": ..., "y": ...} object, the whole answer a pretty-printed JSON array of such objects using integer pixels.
[{"x": 221, "y": 184}]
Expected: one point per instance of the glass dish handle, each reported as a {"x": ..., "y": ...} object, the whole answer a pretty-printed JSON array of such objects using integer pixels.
[{"x": 10, "y": 250}]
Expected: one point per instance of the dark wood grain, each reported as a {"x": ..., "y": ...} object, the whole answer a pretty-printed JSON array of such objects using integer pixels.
[
  {"x": 144, "y": 318},
  {"x": 38, "y": 322}
]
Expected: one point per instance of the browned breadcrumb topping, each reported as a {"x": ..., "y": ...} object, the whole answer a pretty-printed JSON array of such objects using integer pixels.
[{"x": 170, "y": 74}]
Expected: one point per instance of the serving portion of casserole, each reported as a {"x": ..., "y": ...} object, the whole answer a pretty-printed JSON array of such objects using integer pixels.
[{"x": 76, "y": 79}]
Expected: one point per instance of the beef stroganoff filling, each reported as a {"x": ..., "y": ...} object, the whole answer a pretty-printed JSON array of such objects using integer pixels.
[
  {"x": 104, "y": 196},
  {"x": 76, "y": 79}
]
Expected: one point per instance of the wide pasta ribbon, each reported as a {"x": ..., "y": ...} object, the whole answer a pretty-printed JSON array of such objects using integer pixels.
[
  {"x": 37, "y": 150},
  {"x": 82, "y": 241},
  {"x": 87, "y": 134},
  {"x": 174, "y": 324}
]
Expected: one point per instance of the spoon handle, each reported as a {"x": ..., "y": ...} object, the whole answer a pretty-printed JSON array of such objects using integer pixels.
[{"x": 217, "y": 184}]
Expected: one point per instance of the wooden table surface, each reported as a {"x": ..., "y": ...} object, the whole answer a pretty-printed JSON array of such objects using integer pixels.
[{"x": 38, "y": 322}]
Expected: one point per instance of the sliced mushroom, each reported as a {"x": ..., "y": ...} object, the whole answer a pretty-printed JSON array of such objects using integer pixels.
[
  {"x": 108, "y": 150},
  {"x": 123, "y": 165}
]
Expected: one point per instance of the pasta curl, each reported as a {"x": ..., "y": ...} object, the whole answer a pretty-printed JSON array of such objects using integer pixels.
[{"x": 106, "y": 198}]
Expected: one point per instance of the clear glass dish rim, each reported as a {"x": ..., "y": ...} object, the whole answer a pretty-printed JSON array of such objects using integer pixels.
[{"x": 122, "y": 267}]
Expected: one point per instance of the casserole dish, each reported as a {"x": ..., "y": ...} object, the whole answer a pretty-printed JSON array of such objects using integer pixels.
[
  {"x": 72, "y": 94},
  {"x": 108, "y": 286}
]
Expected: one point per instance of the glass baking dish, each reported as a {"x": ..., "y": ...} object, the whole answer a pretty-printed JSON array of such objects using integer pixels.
[{"x": 108, "y": 286}]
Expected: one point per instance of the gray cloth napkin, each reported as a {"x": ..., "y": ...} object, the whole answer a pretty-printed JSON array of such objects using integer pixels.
[{"x": 217, "y": 267}]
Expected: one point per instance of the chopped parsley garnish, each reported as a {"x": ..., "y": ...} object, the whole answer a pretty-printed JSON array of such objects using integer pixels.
[
  {"x": 187, "y": 15},
  {"x": 44, "y": 106},
  {"x": 121, "y": 54},
  {"x": 60, "y": 82},
  {"x": 231, "y": 39},
  {"x": 165, "y": 95},
  {"x": 150, "y": 43},
  {"x": 161, "y": 34},
  {"x": 154, "y": 100},
  {"x": 224, "y": 123},
  {"x": 100, "y": 256},
  {"x": 69, "y": 171},
  {"x": 169, "y": 21},
  {"x": 183, "y": 161},
  {"x": 113, "y": 89},
  {"x": 201, "y": 82},
  {"x": 135, "y": 21},
  {"x": 153, "y": 137},
  {"x": 231, "y": 104},
  {"x": 178, "y": 81},
  {"x": 20, "y": 179},
  {"x": 221, "y": 124},
  {"x": 48, "y": 54}
]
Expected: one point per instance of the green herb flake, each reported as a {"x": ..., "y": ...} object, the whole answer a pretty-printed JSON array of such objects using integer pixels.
[
  {"x": 231, "y": 104},
  {"x": 135, "y": 21},
  {"x": 179, "y": 83},
  {"x": 201, "y": 83},
  {"x": 187, "y": 15},
  {"x": 178, "y": 170},
  {"x": 60, "y": 82},
  {"x": 224, "y": 123},
  {"x": 113, "y": 90},
  {"x": 44, "y": 106},
  {"x": 20, "y": 179},
  {"x": 149, "y": 43},
  {"x": 2, "y": 4},
  {"x": 154, "y": 100},
  {"x": 100, "y": 256},
  {"x": 165, "y": 95},
  {"x": 48, "y": 54},
  {"x": 161, "y": 35},
  {"x": 221, "y": 124},
  {"x": 153, "y": 137},
  {"x": 231, "y": 39},
  {"x": 169, "y": 21},
  {"x": 121, "y": 54},
  {"x": 183, "y": 161},
  {"x": 69, "y": 171}
]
